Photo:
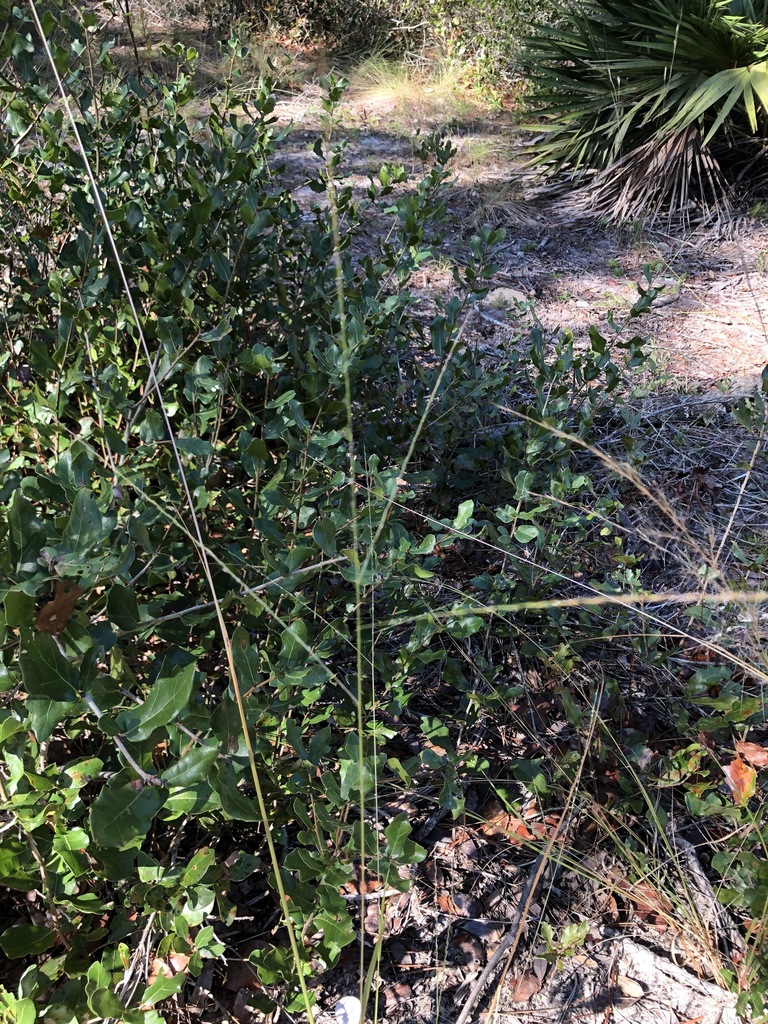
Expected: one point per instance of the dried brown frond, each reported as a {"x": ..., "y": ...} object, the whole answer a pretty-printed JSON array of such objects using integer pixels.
[{"x": 678, "y": 179}]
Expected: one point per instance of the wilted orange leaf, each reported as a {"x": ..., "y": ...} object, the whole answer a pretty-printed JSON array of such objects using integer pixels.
[
  {"x": 753, "y": 752},
  {"x": 741, "y": 779},
  {"x": 448, "y": 905},
  {"x": 499, "y": 822}
]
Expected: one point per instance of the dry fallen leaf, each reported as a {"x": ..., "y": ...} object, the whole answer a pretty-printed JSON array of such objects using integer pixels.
[
  {"x": 159, "y": 969},
  {"x": 56, "y": 613},
  {"x": 540, "y": 967},
  {"x": 741, "y": 779},
  {"x": 447, "y": 904},
  {"x": 650, "y": 905},
  {"x": 509, "y": 825},
  {"x": 395, "y": 995},
  {"x": 472, "y": 948},
  {"x": 752, "y": 752},
  {"x": 240, "y": 975},
  {"x": 703, "y": 480},
  {"x": 179, "y": 961},
  {"x": 525, "y": 986},
  {"x": 629, "y": 987}
]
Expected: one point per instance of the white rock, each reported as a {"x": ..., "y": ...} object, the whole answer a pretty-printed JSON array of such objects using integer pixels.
[
  {"x": 348, "y": 1010},
  {"x": 505, "y": 297}
]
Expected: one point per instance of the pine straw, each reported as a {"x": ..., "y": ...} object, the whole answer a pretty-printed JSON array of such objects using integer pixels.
[{"x": 709, "y": 492}]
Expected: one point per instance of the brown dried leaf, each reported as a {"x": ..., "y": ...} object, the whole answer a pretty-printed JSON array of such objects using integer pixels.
[
  {"x": 241, "y": 975},
  {"x": 373, "y": 918},
  {"x": 525, "y": 986},
  {"x": 752, "y": 752},
  {"x": 56, "y": 613},
  {"x": 649, "y": 904},
  {"x": 446, "y": 904},
  {"x": 508, "y": 825},
  {"x": 472, "y": 948},
  {"x": 741, "y": 779},
  {"x": 704, "y": 478},
  {"x": 706, "y": 741},
  {"x": 609, "y": 907},
  {"x": 159, "y": 969},
  {"x": 396, "y": 995},
  {"x": 179, "y": 961},
  {"x": 647, "y": 900}
]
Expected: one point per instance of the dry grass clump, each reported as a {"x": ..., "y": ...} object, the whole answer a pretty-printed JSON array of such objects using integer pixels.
[{"x": 437, "y": 95}]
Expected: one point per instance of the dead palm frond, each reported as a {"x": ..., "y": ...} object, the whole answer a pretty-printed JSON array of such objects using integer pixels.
[{"x": 677, "y": 179}]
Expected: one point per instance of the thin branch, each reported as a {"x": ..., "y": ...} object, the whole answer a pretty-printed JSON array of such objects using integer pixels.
[{"x": 147, "y": 779}]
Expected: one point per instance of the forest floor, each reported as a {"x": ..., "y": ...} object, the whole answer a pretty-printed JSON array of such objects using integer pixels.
[{"x": 707, "y": 330}]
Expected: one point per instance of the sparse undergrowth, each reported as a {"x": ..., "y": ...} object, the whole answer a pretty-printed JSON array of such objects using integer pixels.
[{"x": 286, "y": 587}]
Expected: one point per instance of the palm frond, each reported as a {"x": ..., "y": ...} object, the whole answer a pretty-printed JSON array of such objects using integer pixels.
[{"x": 621, "y": 87}]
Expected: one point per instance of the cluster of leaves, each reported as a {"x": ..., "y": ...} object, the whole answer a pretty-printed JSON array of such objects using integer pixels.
[
  {"x": 668, "y": 99},
  {"x": 487, "y": 34},
  {"x": 295, "y": 375}
]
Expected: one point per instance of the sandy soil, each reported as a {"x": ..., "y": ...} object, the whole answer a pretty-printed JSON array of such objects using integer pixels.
[{"x": 708, "y": 328}]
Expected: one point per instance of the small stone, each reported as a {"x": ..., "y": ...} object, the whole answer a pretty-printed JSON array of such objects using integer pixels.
[
  {"x": 505, "y": 297},
  {"x": 348, "y": 1010}
]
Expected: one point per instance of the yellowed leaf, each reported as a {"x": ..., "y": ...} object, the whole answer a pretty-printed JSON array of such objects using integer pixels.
[{"x": 741, "y": 779}]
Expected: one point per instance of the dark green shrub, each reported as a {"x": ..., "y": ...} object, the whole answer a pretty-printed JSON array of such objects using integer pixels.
[
  {"x": 485, "y": 33},
  {"x": 363, "y": 25},
  {"x": 118, "y": 720},
  {"x": 274, "y": 346}
]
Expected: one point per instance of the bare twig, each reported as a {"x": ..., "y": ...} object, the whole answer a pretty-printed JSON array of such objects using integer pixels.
[
  {"x": 147, "y": 779},
  {"x": 509, "y": 943}
]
